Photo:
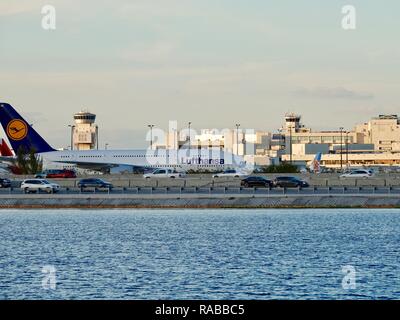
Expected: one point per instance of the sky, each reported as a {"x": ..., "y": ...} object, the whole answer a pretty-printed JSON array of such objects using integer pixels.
[{"x": 214, "y": 63}]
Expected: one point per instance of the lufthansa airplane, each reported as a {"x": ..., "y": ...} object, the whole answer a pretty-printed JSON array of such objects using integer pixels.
[{"x": 22, "y": 135}]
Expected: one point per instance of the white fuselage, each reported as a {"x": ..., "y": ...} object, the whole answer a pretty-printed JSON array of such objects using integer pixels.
[{"x": 204, "y": 159}]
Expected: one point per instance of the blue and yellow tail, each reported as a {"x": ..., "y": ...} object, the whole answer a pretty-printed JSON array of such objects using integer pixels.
[{"x": 20, "y": 133}]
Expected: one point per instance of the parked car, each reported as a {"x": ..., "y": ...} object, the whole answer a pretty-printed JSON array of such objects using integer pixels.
[
  {"x": 361, "y": 173},
  {"x": 94, "y": 183},
  {"x": 62, "y": 173},
  {"x": 290, "y": 182},
  {"x": 37, "y": 185},
  {"x": 256, "y": 182},
  {"x": 41, "y": 175},
  {"x": 303, "y": 170},
  {"x": 230, "y": 173},
  {"x": 5, "y": 183},
  {"x": 164, "y": 173}
]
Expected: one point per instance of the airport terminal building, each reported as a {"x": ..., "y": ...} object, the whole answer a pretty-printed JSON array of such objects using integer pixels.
[{"x": 374, "y": 143}]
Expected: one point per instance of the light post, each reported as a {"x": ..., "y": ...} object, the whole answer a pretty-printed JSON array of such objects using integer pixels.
[
  {"x": 151, "y": 126},
  {"x": 237, "y": 138},
  {"x": 175, "y": 150},
  {"x": 341, "y": 148},
  {"x": 190, "y": 136},
  {"x": 97, "y": 137},
  {"x": 347, "y": 149},
  {"x": 244, "y": 142},
  {"x": 174, "y": 138},
  {"x": 72, "y": 133},
  {"x": 290, "y": 145}
]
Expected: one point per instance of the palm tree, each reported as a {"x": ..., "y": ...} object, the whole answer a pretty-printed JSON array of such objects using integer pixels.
[{"x": 27, "y": 162}]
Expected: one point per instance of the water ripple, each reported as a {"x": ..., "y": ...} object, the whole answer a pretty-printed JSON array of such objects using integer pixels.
[{"x": 200, "y": 254}]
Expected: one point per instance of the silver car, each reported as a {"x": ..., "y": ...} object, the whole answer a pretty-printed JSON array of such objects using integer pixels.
[
  {"x": 37, "y": 185},
  {"x": 164, "y": 173},
  {"x": 361, "y": 173}
]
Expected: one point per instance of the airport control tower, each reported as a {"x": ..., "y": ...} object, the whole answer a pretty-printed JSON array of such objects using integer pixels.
[
  {"x": 84, "y": 131},
  {"x": 292, "y": 123}
]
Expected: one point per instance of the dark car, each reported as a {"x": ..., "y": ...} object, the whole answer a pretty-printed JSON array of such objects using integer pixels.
[
  {"x": 256, "y": 182},
  {"x": 94, "y": 183},
  {"x": 5, "y": 183},
  {"x": 290, "y": 182}
]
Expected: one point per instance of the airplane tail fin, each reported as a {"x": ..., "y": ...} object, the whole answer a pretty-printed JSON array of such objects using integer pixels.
[
  {"x": 5, "y": 150},
  {"x": 315, "y": 164},
  {"x": 246, "y": 167},
  {"x": 20, "y": 133}
]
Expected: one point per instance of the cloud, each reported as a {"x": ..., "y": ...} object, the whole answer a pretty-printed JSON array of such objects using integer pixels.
[
  {"x": 144, "y": 9},
  {"x": 12, "y": 7},
  {"x": 333, "y": 93},
  {"x": 8, "y": 8},
  {"x": 156, "y": 52}
]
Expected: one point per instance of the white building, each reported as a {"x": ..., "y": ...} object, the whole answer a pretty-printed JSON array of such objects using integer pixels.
[
  {"x": 375, "y": 143},
  {"x": 382, "y": 131}
]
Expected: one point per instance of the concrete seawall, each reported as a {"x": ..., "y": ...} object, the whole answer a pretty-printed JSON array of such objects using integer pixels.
[{"x": 198, "y": 201}]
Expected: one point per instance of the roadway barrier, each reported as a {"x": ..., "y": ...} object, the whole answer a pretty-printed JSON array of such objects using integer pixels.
[
  {"x": 206, "y": 181},
  {"x": 338, "y": 190},
  {"x": 371, "y": 182}
]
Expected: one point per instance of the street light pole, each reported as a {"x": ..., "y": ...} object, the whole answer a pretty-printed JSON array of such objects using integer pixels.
[
  {"x": 151, "y": 135},
  {"x": 174, "y": 138},
  {"x": 347, "y": 149},
  {"x": 237, "y": 138},
  {"x": 341, "y": 148},
  {"x": 97, "y": 137},
  {"x": 290, "y": 145},
  {"x": 190, "y": 136}
]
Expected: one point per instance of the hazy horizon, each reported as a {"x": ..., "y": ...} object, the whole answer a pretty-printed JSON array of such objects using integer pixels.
[{"x": 214, "y": 63}]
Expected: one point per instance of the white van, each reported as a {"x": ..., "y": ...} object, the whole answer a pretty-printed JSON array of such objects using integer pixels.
[
  {"x": 360, "y": 173},
  {"x": 164, "y": 173}
]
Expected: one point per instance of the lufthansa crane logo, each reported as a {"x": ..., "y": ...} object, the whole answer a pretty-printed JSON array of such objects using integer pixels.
[{"x": 17, "y": 129}]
